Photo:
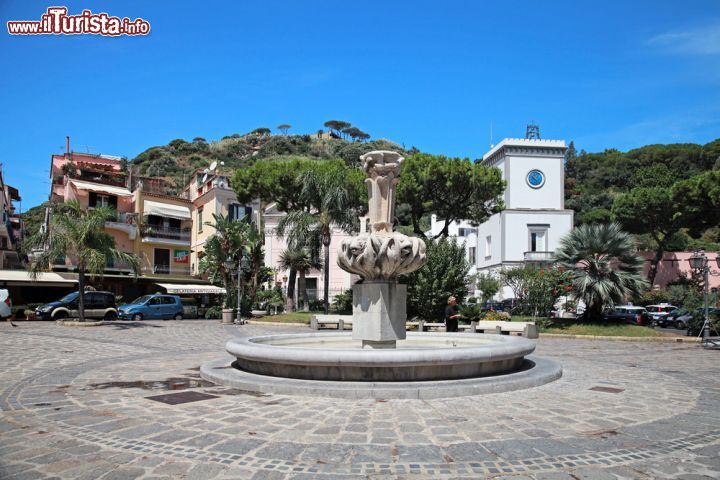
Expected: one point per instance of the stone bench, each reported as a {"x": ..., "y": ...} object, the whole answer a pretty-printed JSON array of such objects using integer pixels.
[
  {"x": 338, "y": 321},
  {"x": 423, "y": 326},
  {"x": 526, "y": 329}
]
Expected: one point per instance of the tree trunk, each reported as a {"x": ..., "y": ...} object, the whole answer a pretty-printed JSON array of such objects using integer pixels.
[
  {"x": 416, "y": 225},
  {"x": 594, "y": 312},
  {"x": 326, "y": 280},
  {"x": 81, "y": 294},
  {"x": 445, "y": 231},
  {"x": 657, "y": 258},
  {"x": 290, "y": 298},
  {"x": 303, "y": 291}
]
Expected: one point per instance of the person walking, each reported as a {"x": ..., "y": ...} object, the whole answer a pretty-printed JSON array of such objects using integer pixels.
[{"x": 451, "y": 315}]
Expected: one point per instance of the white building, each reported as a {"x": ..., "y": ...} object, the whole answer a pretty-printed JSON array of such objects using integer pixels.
[{"x": 534, "y": 219}]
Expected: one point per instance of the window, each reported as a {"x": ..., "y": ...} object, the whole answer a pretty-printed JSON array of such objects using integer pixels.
[
  {"x": 471, "y": 255},
  {"x": 238, "y": 212},
  {"x": 538, "y": 240},
  {"x": 488, "y": 246},
  {"x": 199, "y": 219},
  {"x": 464, "y": 232},
  {"x": 100, "y": 200}
]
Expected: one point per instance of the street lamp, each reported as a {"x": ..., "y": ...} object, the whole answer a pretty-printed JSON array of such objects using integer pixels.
[
  {"x": 242, "y": 265},
  {"x": 699, "y": 263}
]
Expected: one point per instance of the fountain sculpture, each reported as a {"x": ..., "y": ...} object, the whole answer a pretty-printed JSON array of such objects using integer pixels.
[
  {"x": 379, "y": 360},
  {"x": 379, "y": 257}
]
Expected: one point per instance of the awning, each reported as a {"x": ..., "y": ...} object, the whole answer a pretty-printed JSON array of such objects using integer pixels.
[
  {"x": 178, "y": 288},
  {"x": 95, "y": 187},
  {"x": 166, "y": 210},
  {"x": 22, "y": 278}
]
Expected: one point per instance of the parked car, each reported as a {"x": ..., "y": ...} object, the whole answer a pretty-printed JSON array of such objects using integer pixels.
[
  {"x": 100, "y": 305},
  {"x": 155, "y": 306},
  {"x": 671, "y": 319},
  {"x": 660, "y": 310},
  {"x": 628, "y": 314},
  {"x": 682, "y": 322},
  {"x": 494, "y": 306},
  {"x": 5, "y": 304}
]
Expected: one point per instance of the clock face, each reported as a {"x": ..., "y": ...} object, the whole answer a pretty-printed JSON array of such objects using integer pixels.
[{"x": 535, "y": 178}]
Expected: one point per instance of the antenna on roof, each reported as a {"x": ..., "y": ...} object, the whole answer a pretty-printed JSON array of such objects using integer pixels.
[
  {"x": 532, "y": 131},
  {"x": 204, "y": 176}
]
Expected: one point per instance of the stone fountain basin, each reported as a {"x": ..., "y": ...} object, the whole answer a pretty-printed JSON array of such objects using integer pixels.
[{"x": 420, "y": 357}]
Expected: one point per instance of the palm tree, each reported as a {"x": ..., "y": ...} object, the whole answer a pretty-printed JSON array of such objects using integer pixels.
[
  {"x": 606, "y": 268},
  {"x": 229, "y": 242},
  {"x": 334, "y": 204},
  {"x": 300, "y": 261},
  {"x": 79, "y": 233}
]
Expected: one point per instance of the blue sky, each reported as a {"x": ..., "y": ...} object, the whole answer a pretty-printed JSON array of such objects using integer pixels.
[{"x": 614, "y": 74}]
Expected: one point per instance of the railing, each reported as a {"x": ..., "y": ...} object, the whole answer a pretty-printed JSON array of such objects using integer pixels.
[
  {"x": 168, "y": 233},
  {"x": 166, "y": 270},
  {"x": 128, "y": 218},
  {"x": 118, "y": 266},
  {"x": 539, "y": 256}
]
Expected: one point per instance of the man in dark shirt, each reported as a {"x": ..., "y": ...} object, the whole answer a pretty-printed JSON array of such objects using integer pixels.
[{"x": 451, "y": 315}]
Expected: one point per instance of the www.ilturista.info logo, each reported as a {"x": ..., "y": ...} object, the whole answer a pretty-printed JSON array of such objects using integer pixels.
[{"x": 56, "y": 21}]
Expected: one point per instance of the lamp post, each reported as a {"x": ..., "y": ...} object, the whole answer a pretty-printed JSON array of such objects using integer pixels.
[
  {"x": 230, "y": 267},
  {"x": 699, "y": 263},
  {"x": 243, "y": 264}
]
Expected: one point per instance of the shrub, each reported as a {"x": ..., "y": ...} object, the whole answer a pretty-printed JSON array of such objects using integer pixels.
[
  {"x": 471, "y": 312},
  {"x": 698, "y": 319},
  {"x": 537, "y": 289},
  {"x": 444, "y": 274},
  {"x": 214, "y": 312},
  {"x": 653, "y": 297},
  {"x": 343, "y": 302},
  {"x": 317, "y": 305},
  {"x": 497, "y": 316}
]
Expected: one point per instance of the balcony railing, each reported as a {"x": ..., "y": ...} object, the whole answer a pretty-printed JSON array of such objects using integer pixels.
[
  {"x": 167, "y": 233},
  {"x": 117, "y": 266},
  {"x": 539, "y": 256},
  {"x": 127, "y": 218},
  {"x": 166, "y": 270}
]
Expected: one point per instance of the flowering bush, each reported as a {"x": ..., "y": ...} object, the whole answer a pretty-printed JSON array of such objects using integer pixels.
[{"x": 537, "y": 288}]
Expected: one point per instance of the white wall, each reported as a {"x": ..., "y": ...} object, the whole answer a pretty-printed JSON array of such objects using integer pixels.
[
  {"x": 549, "y": 196},
  {"x": 516, "y": 236},
  {"x": 492, "y": 228}
]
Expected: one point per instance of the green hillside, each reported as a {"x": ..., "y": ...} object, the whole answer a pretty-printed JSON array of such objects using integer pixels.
[{"x": 177, "y": 160}]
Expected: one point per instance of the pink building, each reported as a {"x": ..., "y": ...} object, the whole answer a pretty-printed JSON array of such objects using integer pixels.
[
  {"x": 675, "y": 264},
  {"x": 339, "y": 280},
  {"x": 95, "y": 181}
]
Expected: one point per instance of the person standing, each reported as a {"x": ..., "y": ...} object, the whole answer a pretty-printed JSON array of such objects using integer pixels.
[{"x": 451, "y": 315}]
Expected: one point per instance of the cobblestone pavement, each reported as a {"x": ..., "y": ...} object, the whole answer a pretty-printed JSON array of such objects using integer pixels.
[{"x": 74, "y": 405}]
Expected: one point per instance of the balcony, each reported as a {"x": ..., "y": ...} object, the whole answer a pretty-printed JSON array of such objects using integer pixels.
[
  {"x": 125, "y": 222},
  {"x": 116, "y": 266},
  {"x": 539, "y": 257},
  {"x": 162, "y": 234},
  {"x": 166, "y": 270}
]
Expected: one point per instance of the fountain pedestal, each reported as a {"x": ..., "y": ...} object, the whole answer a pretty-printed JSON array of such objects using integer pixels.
[{"x": 379, "y": 313}]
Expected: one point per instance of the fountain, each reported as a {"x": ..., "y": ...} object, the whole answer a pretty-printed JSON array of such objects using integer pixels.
[{"x": 379, "y": 359}]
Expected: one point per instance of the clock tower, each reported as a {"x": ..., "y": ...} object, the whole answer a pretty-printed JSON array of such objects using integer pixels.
[{"x": 529, "y": 230}]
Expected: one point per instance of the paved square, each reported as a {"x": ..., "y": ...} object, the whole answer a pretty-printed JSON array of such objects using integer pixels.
[{"x": 75, "y": 405}]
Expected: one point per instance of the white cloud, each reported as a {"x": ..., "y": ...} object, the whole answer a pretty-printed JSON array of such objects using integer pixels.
[{"x": 698, "y": 41}]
